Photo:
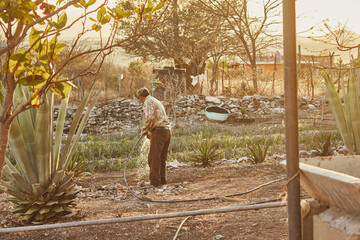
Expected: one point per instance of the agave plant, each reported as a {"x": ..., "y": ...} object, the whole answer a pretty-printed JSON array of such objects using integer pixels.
[
  {"x": 347, "y": 116},
  {"x": 258, "y": 149},
  {"x": 37, "y": 181},
  {"x": 323, "y": 142},
  {"x": 205, "y": 151}
]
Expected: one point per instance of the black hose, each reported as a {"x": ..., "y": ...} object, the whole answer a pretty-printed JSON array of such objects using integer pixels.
[{"x": 185, "y": 200}]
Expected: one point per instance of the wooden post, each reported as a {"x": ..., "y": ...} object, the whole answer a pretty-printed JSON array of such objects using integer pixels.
[
  {"x": 312, "y": 78},
  {"x": 273, "y": 76},
  {"x": 222, "y": 78},
  {"x": 299, "y": 61},
  {"x": 291, "y": 120}
]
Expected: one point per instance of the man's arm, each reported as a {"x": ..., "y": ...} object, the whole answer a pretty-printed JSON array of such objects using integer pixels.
[{"x": 149, "y": 116}]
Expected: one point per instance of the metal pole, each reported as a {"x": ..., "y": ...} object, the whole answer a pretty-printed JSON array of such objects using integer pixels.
[
  {"x": 144, "y": 217},
  {"x": 291, "y": 120}
]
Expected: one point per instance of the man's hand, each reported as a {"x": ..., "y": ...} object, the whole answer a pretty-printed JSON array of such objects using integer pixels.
[{"x": 148, "y": 136}]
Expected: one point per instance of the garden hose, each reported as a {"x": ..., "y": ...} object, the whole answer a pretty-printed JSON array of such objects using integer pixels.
[{"x": 188, "y": 200}]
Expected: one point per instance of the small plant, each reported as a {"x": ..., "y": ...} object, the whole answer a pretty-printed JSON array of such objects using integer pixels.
[
  {"x": 77, "y": 164},
  {"x": 205, "y": 151},
  {"x": 258, "y": 149},
  {"x": 243, "y": 112},
  {"x": 323, "y": 141}
]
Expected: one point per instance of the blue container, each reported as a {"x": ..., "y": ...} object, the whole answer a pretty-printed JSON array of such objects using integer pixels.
[{"x": 217, "y": 113}]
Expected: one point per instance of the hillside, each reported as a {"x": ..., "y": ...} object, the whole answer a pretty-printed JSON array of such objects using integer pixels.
[{"x": 313, "y": 47}]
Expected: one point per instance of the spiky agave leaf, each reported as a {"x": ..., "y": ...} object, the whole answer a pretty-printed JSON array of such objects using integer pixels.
[
  {"x": 338, "y": 112},
  {"x": 43, "y": 139},
  {"x": 39, "y": 185},
  {"x": 53, "y": 202},
  {"x": 58, "y": 134},
  {"x": 73, "y": 127},
  {"x": 80, "y": 130},
  {"x": 354, "y": 111}
]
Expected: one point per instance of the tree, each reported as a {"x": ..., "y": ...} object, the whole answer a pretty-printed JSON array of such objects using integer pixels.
[
  {"x": 139, "y": 75},
  {"x": 187, "y": 37},
  {"x": 341, "y": 35},
  {"x": 39, "y": 64},
  {"x": 253, "y": 34}
]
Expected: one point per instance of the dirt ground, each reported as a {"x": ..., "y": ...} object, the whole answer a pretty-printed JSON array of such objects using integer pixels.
[{"x": 104, "y": 196}]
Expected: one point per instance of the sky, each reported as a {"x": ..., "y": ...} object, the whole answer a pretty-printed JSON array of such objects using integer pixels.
[{"x": 311, "y": 12}]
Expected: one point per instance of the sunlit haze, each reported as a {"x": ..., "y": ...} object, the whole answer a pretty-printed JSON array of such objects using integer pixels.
[{"x": 310, "y": 13}]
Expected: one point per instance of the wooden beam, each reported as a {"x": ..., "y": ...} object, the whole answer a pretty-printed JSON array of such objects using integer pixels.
[{"x": 291, "y": 120}]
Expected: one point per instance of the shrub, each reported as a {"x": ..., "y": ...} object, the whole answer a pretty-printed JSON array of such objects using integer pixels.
[
  {"x": 258, "y": 149},
  {"x": 205, "y": 151},
  {"x": 323, "y": 141}
]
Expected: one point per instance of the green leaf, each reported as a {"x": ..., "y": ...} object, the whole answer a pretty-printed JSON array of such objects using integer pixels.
[
  {"x": 150, "y": 4},
  {"x": 101, "y": 13},
  {"x": 16, "y": 60},
  {"x": 19, "y": 55},
  {"x": 35, "y": 39},
  {"x": 62, "y": 21},
  {"x": 159, "y": 5},
  {"x": 96, "y": 27},
  {"x": 121, "y": 13},
  {"x": 63, "y": 89},
  {"x": 105, "y": 19},
  {"x": 91, "y": 2}
]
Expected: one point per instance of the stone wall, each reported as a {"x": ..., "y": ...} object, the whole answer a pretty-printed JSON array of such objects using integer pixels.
[{"x": 125, "y": 114}]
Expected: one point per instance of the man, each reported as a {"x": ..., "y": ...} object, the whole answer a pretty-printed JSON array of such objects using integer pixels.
[{"x": 157, "y": 129}]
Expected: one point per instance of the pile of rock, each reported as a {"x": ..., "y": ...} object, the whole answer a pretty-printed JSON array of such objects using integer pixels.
[{"x": 125, "y": 114}]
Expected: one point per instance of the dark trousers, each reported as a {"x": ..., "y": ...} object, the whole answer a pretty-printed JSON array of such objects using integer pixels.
[{"x": 159, "y": 145}]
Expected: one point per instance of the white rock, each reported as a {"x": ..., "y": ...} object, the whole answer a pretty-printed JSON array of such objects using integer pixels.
[
  {"x": 311, "y": 106},
  {"x": 211, "y": 99},
  {"x": 278, "y": 110},
  {"x": 247, "y": 97}
]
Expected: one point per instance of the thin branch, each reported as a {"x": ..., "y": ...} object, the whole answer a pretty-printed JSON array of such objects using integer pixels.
[{"x": 13, "y": 44}]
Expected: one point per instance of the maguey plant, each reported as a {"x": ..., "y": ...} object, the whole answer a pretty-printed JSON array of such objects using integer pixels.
[
  {"x": 347, "y": 115},
  {"x": 37, "y": 180}
]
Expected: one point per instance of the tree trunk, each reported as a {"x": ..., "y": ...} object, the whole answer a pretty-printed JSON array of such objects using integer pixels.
[
  {"x": 5, "y": 118},
  {"x": 4, "y": 141},
  {"x": 254, "y": 78},
  {"x": 213, "y": 82}
]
